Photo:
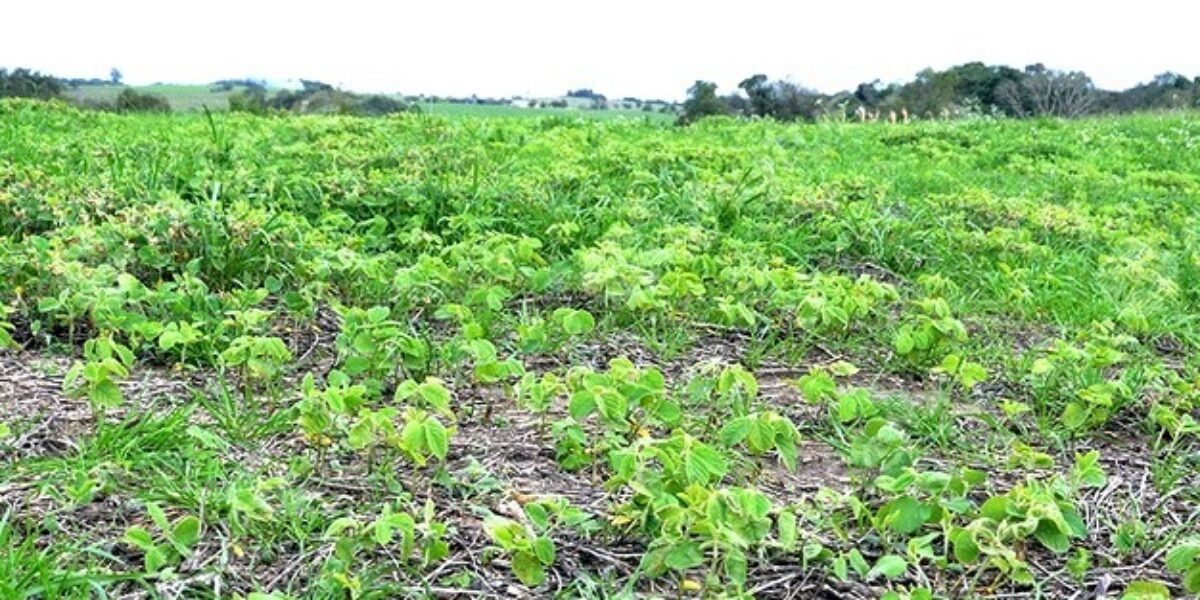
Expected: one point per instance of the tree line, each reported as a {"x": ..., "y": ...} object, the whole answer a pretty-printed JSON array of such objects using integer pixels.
[
  {"x": 246, "y": 95},
  {"x": 971, "y": 89}
]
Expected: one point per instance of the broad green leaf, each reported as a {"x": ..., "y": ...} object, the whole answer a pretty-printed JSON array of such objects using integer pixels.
[
  {"x": 158, "y": 516},
  {"x": 169, "y": 339},
  {"x": 537, "y": 515},
  {"x": 735, "y": 566},
  {"x": 186, "y": 531},
  {"x": 613, "y": 406},
  {"x": 683, "y": 556},
  {"x": 703, "y": 464},
  {"x": 786, "y": 521},
  {"x": 582, "y": 404},
  {"x": 1053, "y": 538},
  {"x": 735, "y": 431},
  {"x": 1191, "y": 579},
  {"x": 528, "y": 569},
  {"x": 842, "y": 368},
  {"x": 155, "y": 560},
  {"x": 139, "y": 538},
  {"x": 965, "y": 548},
  {"x": 106, "y": 394},
  {"x": 903, "y": 343},
  {"x": 377, "y": 314},
  {"x": 1181, "y": 557},
  {"x": 890, "y": 566},
  {"x": 1146, "y": 590},
  {"x": 905, "y": 514},
  {"x": 543, "y": 547},
  {"x": 437, "y": 438},
  {"x": 579, "y": 322}
]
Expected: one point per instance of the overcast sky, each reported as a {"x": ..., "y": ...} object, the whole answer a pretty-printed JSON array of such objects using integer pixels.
[{"x": 642, "y": 48}]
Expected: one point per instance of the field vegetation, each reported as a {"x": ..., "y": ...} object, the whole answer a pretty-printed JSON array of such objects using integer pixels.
[{"x": 338, "y": 357}]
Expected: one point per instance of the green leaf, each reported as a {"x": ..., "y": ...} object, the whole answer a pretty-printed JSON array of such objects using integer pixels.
[
  {"x": 971, "y": 374},
  {"x": 139, "y": 538},
  {"x": 905, "y": 514},
  {"x": 1146, "y": 590},
  {"x": 762, "y": 436},
  {"x": 840, "y": 569},
  {"x": 155, "y": 560},
  {"x": 702, "y": 464},
  {"x": 1191, "y": 579},
  {"x": 684, "y": 556},
  {"x": 1087, "y": 471},
  {"x": 579, "y": 322},
  {"x": 338, "y": 526},
  {"x": 364, "y": 343},
  {"x": 106, "y": 394},
  {"x": 582, "y": 404},
  {"x": 903, "y": 342},
  {"x": 537, "y": 515},
  {"x": 186, "y": 531},
  {"x": 786, "y": 521},
  {"x": 1074, "y": 415},
  {"x": 1053, "y": 538},
  {"x": 436, "y": 394},
  {"x": 504, "y": 532},
  {"x": 857, "y": 562},
  {"x": 995, "y": 508},
  {"x": 528, "y": 569},
  {"x": 965, "y": 549},
  {"x": 613, "y": 406},
  {"x": 890, "y": 566},
  {"x": 842, "y": 368},
  {"x": 169, "y": 339},
  {"x": 787, "y": 452},
  {"x": 361, "y": 434},
  {"x": 1041, "y": 366},
  {"x": 1075, "y": 525},
  {"x": 735, "y": 566},
  {"x": 1181, "y": 557},
  {"x": 377, "y": 314},
  {"x": 207, "y": 438},
  {"x": 543, "y": 547},
  {"x": 437, "y": 438},
  {"x": 735, "y": 431},
  {"x": 158, "y": 516}
]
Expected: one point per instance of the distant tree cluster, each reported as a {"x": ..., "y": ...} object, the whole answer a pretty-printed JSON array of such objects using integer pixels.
[
  {"x": 228, "y": 85},
  {"x": 970, "y": 89},
  {"x": 587, "y": 94},
  {"x": 316, "y": 97},
  {"x": 23, "y": 83},
  {"x": 131, "y": 100}
]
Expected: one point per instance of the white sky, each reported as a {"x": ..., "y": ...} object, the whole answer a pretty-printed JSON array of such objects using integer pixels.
[{"x": 642, "y": 48}]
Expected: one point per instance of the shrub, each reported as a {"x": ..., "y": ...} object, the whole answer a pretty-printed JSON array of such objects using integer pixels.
[
  {"x": 376, "y": 105},
  {"x": 130, "y": 100},
  {"x": 23, "y": 83},
  {"x": 249, "y": 100}
]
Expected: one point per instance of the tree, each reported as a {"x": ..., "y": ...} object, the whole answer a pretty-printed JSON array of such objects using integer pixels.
[
  {"x": 23, "y": 83},
  {"x": 1044, "y": 92},
  {"x": 251, "y": 100},
  {"x": 781, "y": 100},
  {"x": 870, "y": 94},
  {"x": 758, "y": 91},
  {"x": 129, "y": 100},
  {"x": 115, "y": 76},
  {"x": 702, "y": 102},
  {"x": 1167, "y": 91}
]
